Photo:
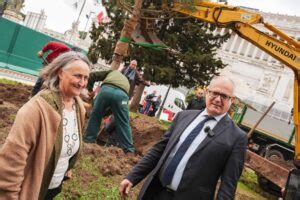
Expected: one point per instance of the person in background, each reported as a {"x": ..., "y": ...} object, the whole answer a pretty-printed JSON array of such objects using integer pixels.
[
  {"x": 40, "y": 151},
  {"x": 199, "y": 149},
  {"x": 134, "y": 77},
  {"x": 55, "y": 48},
  {"x": 142, "y": 101},
  {"x": 113, "y": 95},
  {"x": 149, "y": 100},
  {"x": 198, "y": 103},
  {"x": 155, "y": 105}
]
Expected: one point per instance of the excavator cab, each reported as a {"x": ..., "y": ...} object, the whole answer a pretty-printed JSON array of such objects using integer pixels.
[{"x": 292, "y": 188}]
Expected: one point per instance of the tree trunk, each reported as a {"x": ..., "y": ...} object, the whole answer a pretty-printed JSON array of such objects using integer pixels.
[
  {"x": 134, "y": 105},
  {"x": 129, "y": 26}
]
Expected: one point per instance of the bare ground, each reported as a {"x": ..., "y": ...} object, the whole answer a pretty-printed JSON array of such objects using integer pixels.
[{"x": 113, "y": 162}]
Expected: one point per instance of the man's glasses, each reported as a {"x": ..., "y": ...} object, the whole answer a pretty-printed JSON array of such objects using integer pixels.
[{"x": 214, "y": 94}]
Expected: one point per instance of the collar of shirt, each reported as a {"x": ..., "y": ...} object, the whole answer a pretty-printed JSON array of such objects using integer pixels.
[{"x": 217, "y": 118}]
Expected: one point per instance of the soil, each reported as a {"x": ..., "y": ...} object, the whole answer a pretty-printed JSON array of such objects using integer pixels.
[
  {"x": 146, "y": 132},
  {"x": 114, "y": 163},
  {"x": 12, "y": 97}
]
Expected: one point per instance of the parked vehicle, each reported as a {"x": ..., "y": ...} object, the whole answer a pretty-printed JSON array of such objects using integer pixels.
[
  {"x": 273, "y": 139},
  {"x": 174, "y": 103}
]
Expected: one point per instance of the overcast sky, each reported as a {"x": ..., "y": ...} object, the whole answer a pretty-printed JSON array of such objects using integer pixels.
[
  {"x": 61, "y": 13},
  {"x": 290, "y": 7}
]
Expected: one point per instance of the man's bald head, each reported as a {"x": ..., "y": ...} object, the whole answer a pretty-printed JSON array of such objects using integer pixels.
[
  {"x": 228, "y": 81},
  {"x": 219, "y": 95}
]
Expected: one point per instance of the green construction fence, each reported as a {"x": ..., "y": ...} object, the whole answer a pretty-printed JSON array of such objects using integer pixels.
[{"x": 19, "y": 46}]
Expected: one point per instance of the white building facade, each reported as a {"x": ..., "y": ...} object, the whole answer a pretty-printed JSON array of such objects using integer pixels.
[
  {"x": 35, "y": 21},
  {"x": 259, "y": 78}
]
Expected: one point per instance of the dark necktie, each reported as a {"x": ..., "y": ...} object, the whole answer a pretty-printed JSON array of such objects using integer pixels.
[{"x": 170, "y": 170}]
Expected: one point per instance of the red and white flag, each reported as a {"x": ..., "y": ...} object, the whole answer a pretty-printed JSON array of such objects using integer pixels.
[{"x": 100, "y": 17}]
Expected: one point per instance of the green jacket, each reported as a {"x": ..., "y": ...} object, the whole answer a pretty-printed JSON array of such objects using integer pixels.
[{"x": 110, "y": 77}]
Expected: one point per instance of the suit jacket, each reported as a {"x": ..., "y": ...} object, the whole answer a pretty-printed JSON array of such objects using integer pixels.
[
  {"x": 196, "y": 104},
  {"x": 220, "y": 156}
]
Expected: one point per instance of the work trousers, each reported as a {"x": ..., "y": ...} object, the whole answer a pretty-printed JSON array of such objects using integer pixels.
[
  {"x": 111, "y": 97},
  {"x": 148, "y": 105}
]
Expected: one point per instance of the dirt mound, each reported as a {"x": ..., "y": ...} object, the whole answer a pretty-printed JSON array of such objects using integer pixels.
[
  {"x": 146, "y": 132},
  {"x": 285, "y": 164},
  {"x": 12, "y": 97},
  {"x": 113, "y": 160},
  {"x": 244, "y": 197},
  {"x": 14, "y": 94}
]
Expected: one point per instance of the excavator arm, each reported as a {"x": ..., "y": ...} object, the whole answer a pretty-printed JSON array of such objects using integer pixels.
[{"x": 276, "y": 43}]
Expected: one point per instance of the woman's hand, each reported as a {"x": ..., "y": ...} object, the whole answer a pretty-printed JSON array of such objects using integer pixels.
[{"x": 68, "y": 175}]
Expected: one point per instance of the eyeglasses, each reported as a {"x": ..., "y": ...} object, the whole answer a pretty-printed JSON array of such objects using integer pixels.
[{"x": 214, "y": 94}]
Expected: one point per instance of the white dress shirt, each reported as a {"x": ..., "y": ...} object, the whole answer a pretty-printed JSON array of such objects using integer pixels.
[{"x": 197, "y": 141}]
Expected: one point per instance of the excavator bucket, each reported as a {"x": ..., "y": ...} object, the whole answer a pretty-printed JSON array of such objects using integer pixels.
[
  {"x": 270, "y": 170},
  {"x": 292, "y": 188}
]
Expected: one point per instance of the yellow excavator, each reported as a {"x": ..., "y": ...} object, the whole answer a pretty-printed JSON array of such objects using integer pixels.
[{"x": 275, "y": 43}]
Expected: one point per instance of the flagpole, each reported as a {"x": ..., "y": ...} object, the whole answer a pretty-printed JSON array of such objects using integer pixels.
[
  {"x": 85, "y": 32},
  {"x": 76, "y": 23},
  {"x": 88, "y": 19}
]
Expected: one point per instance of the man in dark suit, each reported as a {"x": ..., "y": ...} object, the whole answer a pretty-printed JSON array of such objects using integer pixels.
[
  {"x": 199, "y": 148},
  {"x": 198, "y": 103}
]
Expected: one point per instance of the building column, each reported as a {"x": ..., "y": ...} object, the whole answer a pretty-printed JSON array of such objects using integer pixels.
[
  {"x": 281, "y": 86},
  {"x": 233, "y": 42},
  {"x": 240, "y": 46},
  {"x": 255, "y": 52},
  {"x": 247, "y": 49}
]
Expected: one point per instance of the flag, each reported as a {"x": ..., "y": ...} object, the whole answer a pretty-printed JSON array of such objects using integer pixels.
[
  {"x": 100, "y": 17},
  {"x": 73, "y": 3}
]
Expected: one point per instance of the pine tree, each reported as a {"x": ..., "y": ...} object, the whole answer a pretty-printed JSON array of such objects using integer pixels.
[
  {"x": 106, "y": 34},
  {"x": 195, "y": 64}
]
